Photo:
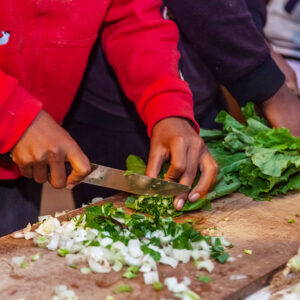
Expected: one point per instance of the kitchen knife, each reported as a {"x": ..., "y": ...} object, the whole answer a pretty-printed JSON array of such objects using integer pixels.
[{"x": 133, "y": 183}]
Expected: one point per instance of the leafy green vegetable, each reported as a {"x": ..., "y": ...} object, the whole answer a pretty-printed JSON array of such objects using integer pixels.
[
  {"x": 135, "y": 164},
  {"x": 155, "y": 255},
  {"x": 205, "y": 279},
  {"x": 254, "y": 159}
]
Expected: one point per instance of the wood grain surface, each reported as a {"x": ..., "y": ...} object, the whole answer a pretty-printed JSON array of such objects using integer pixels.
[{"x": 259, "y": 226}]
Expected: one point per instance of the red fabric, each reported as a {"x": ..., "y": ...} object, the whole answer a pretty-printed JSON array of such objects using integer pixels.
[{"x": 44, "y": 60}]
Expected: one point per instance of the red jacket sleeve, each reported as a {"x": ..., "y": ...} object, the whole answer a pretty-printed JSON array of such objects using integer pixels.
[
  {"x": 142, "y": 48},
  {"x": 17, "y": 111}
]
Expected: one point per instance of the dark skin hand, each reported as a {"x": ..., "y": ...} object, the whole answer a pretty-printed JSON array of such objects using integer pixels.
[
  {"x": 43, "y": 150},
  {"x": 290, "y": 75},
  {"x": 283, "y": 110},
  {"x": 174, "y": 138}
]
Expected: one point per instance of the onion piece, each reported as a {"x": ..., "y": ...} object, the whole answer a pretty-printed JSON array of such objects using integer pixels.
[
  {"x": 186, "y": 281},
  {"x": 190, "y": 295},
  {"x": 48, "y": 227},
  {"x": 196, "y": 254},
  {"x": 18, "y": 234},
  {"x": 205, "y": 264},
  {"x": 294, "y": 263},
  {"x": 18, "y": 260},
  {"x": 97, "y": 268},
  {"x": 151, "y": 277},
  {"x": 134, "y": 248},
  {"x": 183, "y": 255},
  {"x": 117, "y": 266},
  {"x": 167, "y": 260},
  {"x": 171, "y": 282},
  {"x": 73, "y": 259},
  {"x": 53, "y": 243}
]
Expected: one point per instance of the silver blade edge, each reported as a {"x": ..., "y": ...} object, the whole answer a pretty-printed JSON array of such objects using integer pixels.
[{"x": 134, "y": 183}]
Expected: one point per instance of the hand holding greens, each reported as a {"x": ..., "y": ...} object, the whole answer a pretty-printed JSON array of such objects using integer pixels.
[{"x": 254, "y": 159}]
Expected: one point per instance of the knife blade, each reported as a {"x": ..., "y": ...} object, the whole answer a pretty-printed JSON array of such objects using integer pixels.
[{"x": 133, "y": 183}]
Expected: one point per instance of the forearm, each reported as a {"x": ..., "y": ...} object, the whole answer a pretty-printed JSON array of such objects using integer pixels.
[{"x": 142, "y": 49}]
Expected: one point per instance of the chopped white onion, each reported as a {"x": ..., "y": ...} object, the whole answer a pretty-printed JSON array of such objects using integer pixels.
[
  {"x": 18, "y": 260},
  {"x": 134, "y": 248},
  {"x": 53, "y": 243},
  {"x": 190, "y": 295},
  {"x": 73, "y": 259},
  {"x": 97, "y": 268},
  {"x": 167, "y": 260},
  {"x": 186, "y": 281},
  {"x": 117, "y": 266},
  {"x": 132, "y": 261},
  {"x": 151, "y": 277},
  {"x": 96, "y": 253},
  {"x": 30, "y": 235},
  {"x": 171, "y": 282},
  {"x": 49, "y": 226},
  {"x": 294, "y": 263},
  {"x": 196, "y": 254},
  {"x": 18, "y": 234},
  {"x": 205, "y": 264},
  {"x": 237, "y": 277},
  {"x": 183, "y": 255},
  {"x": 106, "y": 241},
  {"x": 96, "y": 199},
  {"x": 179, "y": 288},
  {"x": 204, "y": 245}
]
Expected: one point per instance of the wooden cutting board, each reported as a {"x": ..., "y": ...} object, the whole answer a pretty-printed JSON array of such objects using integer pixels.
[{"x": 259, "y": 226}]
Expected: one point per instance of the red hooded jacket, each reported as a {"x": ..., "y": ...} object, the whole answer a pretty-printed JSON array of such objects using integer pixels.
[{"x": 44, "y": 47}]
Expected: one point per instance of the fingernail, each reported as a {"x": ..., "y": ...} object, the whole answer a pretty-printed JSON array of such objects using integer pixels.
[
  {"x": 70, "y": 186},
  {"x": 194, "y": 197},
  {"x": 180, "y": 203}
]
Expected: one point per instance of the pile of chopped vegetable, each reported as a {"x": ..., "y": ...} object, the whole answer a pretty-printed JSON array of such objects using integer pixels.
[
  {"x": 106, "y": 239},
  {"x": 254, "y": 159}
]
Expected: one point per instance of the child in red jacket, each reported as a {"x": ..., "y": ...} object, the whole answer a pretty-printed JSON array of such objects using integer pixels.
[{"x": 43, "y": 53}]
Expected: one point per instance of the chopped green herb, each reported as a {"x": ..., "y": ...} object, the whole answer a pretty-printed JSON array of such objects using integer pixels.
[
  {"x": 24, "y": 264},
  {"x": 35, "y": 257},
  {"x": 79, "y": 221},
  {"x": 73, "y": 266},
  {"x": 205, "y": 279},
  {"x": 62, "y": 252},
  {"x": 222, "y": 257},
  {"x": 247, "y": 251},
  {"x": 131, "y": 272},
  {"x": 291, "y": 221},
  {"x": 157, "y": 285},
  {"x": 297, "y": 215},
  {"x": 155, "y": 255},
  {"x": 41, "y": 241},
  {"x": 123, "y": 288}
]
